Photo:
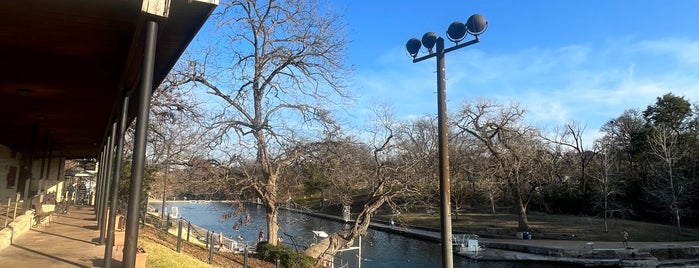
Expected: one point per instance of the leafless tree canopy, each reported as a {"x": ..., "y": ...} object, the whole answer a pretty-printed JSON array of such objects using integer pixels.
[
  {"x": 518, "y": 156},
  {"x": 274, "y": 74}
]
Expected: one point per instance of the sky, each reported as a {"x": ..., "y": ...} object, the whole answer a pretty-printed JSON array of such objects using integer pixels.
[{"x": 563, "y": 61}]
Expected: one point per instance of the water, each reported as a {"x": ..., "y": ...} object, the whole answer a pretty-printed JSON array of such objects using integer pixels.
[{"x": 379, "y": 249}]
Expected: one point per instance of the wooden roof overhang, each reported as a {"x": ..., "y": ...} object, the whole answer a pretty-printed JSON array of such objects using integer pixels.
[{"x": 66, "y": 65}]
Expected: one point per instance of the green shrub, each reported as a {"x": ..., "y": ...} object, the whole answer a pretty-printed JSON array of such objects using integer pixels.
[{"x": 287, "y": 257}]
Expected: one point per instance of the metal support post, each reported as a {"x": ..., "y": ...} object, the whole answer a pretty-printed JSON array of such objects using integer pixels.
[
  {"x": 443, "y": 129},
  {"x": 211, "y": 248},
  {"x": 116, "y": 171},
  {"x": 106, "y": 178},
  {"x": 139, "y": 152},
  {"x": 179, "y": 235}
]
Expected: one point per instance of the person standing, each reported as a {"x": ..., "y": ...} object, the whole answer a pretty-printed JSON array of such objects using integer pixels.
[
  {"x": 262, "y": 236},
  {"x": 625, "y": 236},
  {"x": 69, "y": 193}
]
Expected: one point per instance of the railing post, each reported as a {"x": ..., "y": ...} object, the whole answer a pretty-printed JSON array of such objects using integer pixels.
[
  {"x": 245, "y": 257},
  {"x": 189, "y": 226},
  {"x": 7, "y": 215},
  {"x": 208, "y": 237},
  {"x": 211, "y": 249},
  {"x": 179, "y": 235},
  {"x": 14, "y": 215}
]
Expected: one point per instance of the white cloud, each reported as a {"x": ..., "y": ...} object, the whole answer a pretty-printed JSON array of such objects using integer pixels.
[
  {"x": 588, "y": 83},
  {"x": 682, "y": 49}
]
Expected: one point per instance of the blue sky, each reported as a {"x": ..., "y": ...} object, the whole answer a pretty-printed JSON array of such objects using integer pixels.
[{"x": 564, "y": 61}]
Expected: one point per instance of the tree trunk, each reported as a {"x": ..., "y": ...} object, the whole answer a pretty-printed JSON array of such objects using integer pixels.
[
  {"x": 272, "y": 226},
  {"x": 606, "y": 207},
  {"x": 492, "y": 204},
  {"x": 677, "y": 216},
  {"x": 327, "y": 246},
  {"x": 322, "y": 199},
  {"x": 523, "y": 223}
]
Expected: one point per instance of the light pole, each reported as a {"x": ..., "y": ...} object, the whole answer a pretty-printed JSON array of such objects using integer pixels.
[{"x": 457, "y": 31}]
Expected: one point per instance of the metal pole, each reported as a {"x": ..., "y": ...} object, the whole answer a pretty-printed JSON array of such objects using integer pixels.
[
  {"x": 208, "y": 235},
  {"x": 245, "y": 256},
  {"x": 167, "y": 167},
  {"x": 98, "y": 186},
  {"x": 445, "y": 195},
  {"x": 106, "y": 177},
  {"x": 7, "y": 215},
  {"x": 115, "y": 182},
  {"x": 43, "y": 163},
  {"x": 29, "y": 165},
  {"x": 359, "y": 256},
  {"x": 211, "y": 248},
  {"x": 139, "y": 152},
  {"x": 61, "y": 163},
  {"x": 189, "y": 226},
  {"x": 14, "y": 214},
  {"x": 48, "y": 168},
  {"x": 179, "y": 235}
]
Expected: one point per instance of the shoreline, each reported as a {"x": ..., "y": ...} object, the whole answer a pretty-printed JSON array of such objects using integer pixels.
[
  {"x": 570, "y": 252},
  {"x": 585, "y": 253}
]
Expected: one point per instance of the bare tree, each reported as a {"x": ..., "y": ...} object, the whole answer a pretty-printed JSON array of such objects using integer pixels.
[
  {"x": 513, "y": 147},
  {"x": 274, "y": 69},
  {"x": 571, "y": 137},
  {"x": 417, "y": 142},
  {"x": 337, "y": 167},
  {"x": 667, "y": 122},
  {"x": 176, "y": 135},
  {"x": 670, "y": 187},
  {"x": 385, "y": 179},
  {"x": 605, "y": 174},
  {"x": 484, "y": 175}
]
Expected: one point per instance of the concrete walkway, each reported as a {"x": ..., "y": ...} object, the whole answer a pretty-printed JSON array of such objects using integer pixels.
[{"x": 69, "y": 241}]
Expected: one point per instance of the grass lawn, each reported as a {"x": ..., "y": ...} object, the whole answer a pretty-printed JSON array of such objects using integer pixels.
[
  {"x": 161, "y": 246},
  {"x": 543, "y": 226},
  {"x": 550, "y": 227},
  {"x": 161, "y": 256}
]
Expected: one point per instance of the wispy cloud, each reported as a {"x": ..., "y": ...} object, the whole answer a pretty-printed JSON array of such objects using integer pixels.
[
  {"x": 588, "y": 83},
  {"x": 684, "y": 50}
]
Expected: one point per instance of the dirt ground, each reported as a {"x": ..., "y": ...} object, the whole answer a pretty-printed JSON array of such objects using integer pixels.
[{"x": 221, "y": 259}]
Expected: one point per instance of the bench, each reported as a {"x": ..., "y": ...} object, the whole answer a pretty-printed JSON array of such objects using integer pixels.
[{"x": 40, "y": 215}]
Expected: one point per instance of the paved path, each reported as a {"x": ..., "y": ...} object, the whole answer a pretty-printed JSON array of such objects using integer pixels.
[{"x": 69, "y": 241}]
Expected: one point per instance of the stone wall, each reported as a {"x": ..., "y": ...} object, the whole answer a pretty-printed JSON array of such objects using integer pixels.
[{"x": 15, "y": 229}]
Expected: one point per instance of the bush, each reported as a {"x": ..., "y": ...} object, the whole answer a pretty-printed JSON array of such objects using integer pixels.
[{"x": 287, "y": 257}]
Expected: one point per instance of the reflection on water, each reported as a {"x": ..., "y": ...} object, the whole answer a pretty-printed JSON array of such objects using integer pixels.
[{"x": 379, "y": 249}]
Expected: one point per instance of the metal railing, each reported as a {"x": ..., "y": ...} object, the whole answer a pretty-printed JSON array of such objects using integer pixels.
[
  {"x": 9, "y": 211},
  {"x": 184, "y": 230}
]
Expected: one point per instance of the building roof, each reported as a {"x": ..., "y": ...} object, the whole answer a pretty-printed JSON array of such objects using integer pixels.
[{"x": 67, "y": 64}]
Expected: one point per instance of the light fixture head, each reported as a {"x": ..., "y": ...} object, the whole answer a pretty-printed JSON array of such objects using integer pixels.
[
  {"x": 456, "y": 31},
  {"x": 413, "y": 47},
  {"x": 476, "y": 24},
  {"x": 428, "y": 40}
]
